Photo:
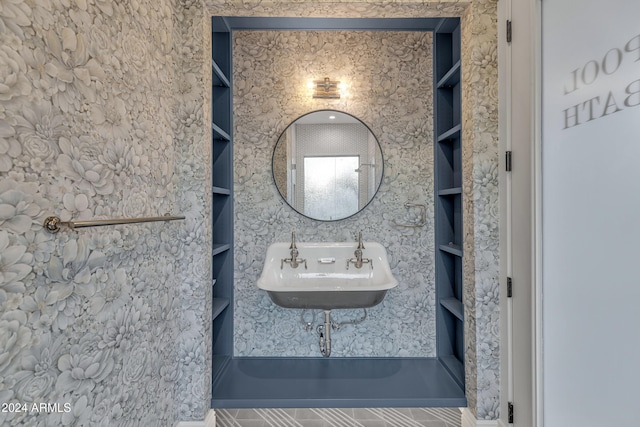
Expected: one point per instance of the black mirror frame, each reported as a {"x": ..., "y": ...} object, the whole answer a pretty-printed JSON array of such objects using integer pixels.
[{"x": 381, "y": 165}]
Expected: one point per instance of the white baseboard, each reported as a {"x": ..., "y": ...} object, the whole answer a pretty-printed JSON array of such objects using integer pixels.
[
  {"x": 209, "y": 421},
  {"x": 469, "y": 420}
]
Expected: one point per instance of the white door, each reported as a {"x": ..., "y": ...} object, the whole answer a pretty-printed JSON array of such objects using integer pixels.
[{"x": 590, "y": 212}]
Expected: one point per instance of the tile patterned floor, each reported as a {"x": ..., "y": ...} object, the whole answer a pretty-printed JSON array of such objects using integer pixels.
[{"x": 357, "y": 417}]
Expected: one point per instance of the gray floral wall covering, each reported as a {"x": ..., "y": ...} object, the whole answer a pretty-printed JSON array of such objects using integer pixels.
[
  {"x": 479, "y": 65},
  {"x": 104, "y": 111},
  {"x": 101, "y": 115},
  {"x": 481, "y": 268},
  {"x": 383, "y": 72}
]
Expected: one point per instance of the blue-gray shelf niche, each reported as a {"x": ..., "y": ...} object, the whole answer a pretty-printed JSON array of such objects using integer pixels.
[{"x": 258, "y": 382}]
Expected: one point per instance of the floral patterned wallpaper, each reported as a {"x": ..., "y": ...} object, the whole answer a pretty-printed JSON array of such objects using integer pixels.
[
  {"x": 481, "y": 267},
  {"x": 101, "y": 115},
  {"x": 104, "y": 112},
  {"x": 481, "y": 159},
  {"x": 382, "y": 71}
]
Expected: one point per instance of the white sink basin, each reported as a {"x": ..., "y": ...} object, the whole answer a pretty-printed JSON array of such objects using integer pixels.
[{"x": 326, "y": 282}]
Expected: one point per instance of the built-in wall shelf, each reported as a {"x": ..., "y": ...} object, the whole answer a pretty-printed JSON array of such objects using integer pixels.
[
  {"x": 448, "y": 203},
  {"x": 221, "y": 191},
  {"x": 455, "y": 367},
  {"x": 220, "y": 247},
  {"x": 454, "y": 306},
  {"x": 219, "y": 364},
  {"x": 221, "y": 196},
  {"x": 255, "y": 382},
  {"x": 450, "y": 191},
  {"x": 450, "y": 134},
  {"x": 451, "y": 78},
  {"x": 219, "y": 78},
  {"x": 452, "y": 249},
  {"x": 219, "y": 304},
  {"x": 219, "y": 134}
]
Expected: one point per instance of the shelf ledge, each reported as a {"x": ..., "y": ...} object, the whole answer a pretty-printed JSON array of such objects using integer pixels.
[
  {"x": 452, "y": 249},
  {"x": 221, "y": 190},
  {"x": 219, "y": 305},
  {"x": 256, "y": 382},
  {"x": 219, "y": 248},
  {"x": 451, "y": 78},
  {"x": 219, "y": 134},
  {"x": 454, "y": 366},
  {"x": 454, "y": 306},
  {"x": 219, "y": 78},
  {"x": 451, "y": 134},
  {"x": 453, "y": 191}
]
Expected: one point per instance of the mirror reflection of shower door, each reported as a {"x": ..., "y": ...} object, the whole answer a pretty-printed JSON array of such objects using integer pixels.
[{"x": 331, "y": 186}]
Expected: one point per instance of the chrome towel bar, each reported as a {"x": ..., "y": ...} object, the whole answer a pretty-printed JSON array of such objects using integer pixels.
[{"x": 53, "y": 223}]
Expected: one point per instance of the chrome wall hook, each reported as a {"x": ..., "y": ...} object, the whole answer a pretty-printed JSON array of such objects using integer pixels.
[{"x": 423, "y": 216}]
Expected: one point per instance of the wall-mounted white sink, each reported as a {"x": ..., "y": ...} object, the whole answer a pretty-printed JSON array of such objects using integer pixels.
[{"x": 326, "y": 282}]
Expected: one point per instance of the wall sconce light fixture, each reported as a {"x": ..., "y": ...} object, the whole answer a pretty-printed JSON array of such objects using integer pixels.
[{"x": 326, "y": 88}]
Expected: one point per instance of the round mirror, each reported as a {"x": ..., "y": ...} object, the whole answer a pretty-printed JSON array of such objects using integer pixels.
[{"x": 327, "y": 165}]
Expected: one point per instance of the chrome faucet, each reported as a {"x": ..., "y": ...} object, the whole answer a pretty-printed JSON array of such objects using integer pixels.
[
  {"x": 294, "y": 260},
  {"x": 358, "y": 261}
]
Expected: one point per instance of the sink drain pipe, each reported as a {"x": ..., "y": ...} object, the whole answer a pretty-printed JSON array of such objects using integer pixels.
[
  {"x": 337, "y": 325},
  {"x": 325, "y": 334},
  {"x": 325, "y": 329}
]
